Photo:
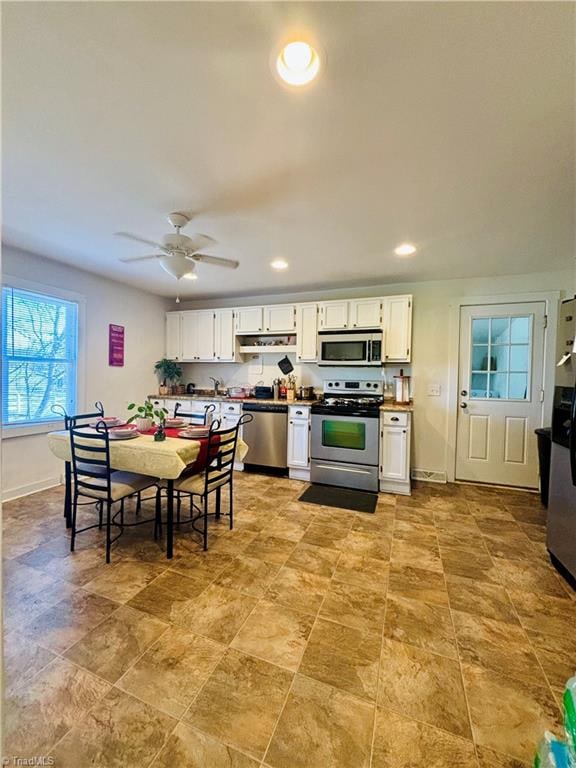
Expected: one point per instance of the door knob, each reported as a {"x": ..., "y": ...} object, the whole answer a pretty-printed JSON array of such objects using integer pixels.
[
  {"x": 463, "y": 405},
  {"x": 464, "y": 393}
]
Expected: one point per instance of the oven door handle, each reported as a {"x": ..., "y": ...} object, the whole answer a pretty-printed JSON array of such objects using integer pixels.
[
  {"x": 343, "y": 469},
  {"x": 369, "y": 351}
]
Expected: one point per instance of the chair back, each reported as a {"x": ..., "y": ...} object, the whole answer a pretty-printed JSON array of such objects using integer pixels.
[
  {"x": 222, "y": 444},
  {"x": 203, "y": 419},
  {"x": 90, "y": 449},
  {"x": 73, "y": 420}
]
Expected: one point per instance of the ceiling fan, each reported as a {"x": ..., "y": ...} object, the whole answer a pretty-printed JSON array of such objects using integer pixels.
[{"x": 179, "y": 253}]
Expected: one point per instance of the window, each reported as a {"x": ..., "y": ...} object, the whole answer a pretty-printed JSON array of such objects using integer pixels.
[
  {"x": 501, "y": 358},
  {"x": 39, "y": 356}
]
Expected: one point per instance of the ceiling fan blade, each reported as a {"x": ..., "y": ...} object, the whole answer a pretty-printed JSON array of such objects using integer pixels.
[
  {"x": 138, "y": 239},
  {"x": 215, "y": 260},
  {"x": 127, "y": 259},
  {"x": 198, "y": 242}
]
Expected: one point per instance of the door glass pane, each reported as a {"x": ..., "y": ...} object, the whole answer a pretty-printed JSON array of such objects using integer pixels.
[
  {"x": 519, "y": 330},
  {"x": 501, "y": 346},
  {"x": 519, "y": 357},
  {"x": 479, "y": 385},
  {"x": 480, "y": 330},
  {"x": 518, "y": 386},
  {"x": 498, "y": 385},
  {"x": 480, "y": 357},
  {"x": 499, "y": 330},
  {"x": 499, "y": 358},
  {"x": 344, "y": 434}
]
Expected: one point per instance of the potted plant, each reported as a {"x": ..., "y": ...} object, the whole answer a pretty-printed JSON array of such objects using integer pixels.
[
  {"x": 167, "y": 371},
  {"x": 145, "y": 415}
]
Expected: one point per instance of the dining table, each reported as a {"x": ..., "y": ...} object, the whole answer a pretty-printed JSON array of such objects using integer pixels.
[{"x": 165, "y": 460}]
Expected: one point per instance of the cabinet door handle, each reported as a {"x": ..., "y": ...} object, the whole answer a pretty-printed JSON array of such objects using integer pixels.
[
  {"x": 394, "y": 418},
  {"x": 299, "y": 413}
]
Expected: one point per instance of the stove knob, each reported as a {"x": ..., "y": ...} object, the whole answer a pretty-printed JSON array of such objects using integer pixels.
[
  {"x": 337, "y": 384},
  {"x": 329, "y": 383}
]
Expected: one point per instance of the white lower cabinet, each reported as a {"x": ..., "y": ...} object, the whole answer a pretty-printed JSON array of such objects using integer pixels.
[
  {"x": 395, "y": 452},
  {"x": 299, "y": 442}
]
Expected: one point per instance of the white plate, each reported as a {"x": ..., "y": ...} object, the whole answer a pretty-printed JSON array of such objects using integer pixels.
[
  {"x": 129, "y": 434},
  {"x": 197, "y": 434},
  {"x": 109, "y": 422},
  {"x": 173, "y": 423}
]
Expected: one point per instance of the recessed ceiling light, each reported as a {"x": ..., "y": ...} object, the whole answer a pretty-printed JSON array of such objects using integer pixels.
[
  {"x": 405, "y": 249},
  {"x": 279, "y": 264},
  {"x": 190, "y": 276},
  {"x": 298, "y": 63}
]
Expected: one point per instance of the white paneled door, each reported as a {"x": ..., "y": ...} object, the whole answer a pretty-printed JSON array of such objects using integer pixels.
[{"x": 500, "y": 393}]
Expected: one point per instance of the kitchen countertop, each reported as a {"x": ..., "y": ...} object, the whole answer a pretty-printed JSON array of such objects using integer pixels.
[{"x": 388, "y": 405}]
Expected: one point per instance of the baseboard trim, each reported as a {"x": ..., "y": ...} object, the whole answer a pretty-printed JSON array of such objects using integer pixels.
[
  {"x": 25, "y": 490},
  {"x": 429, "y": 475}
]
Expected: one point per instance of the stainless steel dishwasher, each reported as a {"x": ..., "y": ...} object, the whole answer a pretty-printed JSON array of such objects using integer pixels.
[{"x": 267, "y": 435}]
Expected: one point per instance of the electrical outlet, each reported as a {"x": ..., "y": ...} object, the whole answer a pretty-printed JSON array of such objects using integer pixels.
[{"x": 434, "y": 390}]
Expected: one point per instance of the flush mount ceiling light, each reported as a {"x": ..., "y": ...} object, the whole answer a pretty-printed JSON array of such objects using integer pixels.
[
  {"x": 279, "y": 264},
  {"x": 298, "y": 63},
  {"x": 405, "y": 249},
  {"x": 190, "y": 276}
]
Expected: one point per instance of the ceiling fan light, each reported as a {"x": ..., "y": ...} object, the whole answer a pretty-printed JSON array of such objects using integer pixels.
[{"x": 176, "y": 265}]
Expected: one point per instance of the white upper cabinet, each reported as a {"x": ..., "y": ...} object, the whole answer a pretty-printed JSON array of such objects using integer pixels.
[
  {"x": 173, "y": 335},
  {"x": 365, "y": 313},
  {"x": 224, "y": 342},
  {"x": 249, "y": 320},
  {"x": 333, "y": 315},
  {"x": 198, "y": 335},
  {"x": 307, "y": 332},
  {"x": 397, "y": 316},
  {"x": 280, "y": 318}
]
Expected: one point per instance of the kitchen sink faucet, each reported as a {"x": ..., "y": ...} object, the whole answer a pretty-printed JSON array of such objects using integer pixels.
[{"x": 217, "y": 383}]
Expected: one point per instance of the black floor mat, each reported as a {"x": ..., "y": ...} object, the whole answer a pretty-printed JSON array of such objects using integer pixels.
[{"x": 343, "y": 498}]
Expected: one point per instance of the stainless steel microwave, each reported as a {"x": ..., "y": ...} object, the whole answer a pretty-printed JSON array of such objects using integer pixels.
[{"x": 359, "y": 348}]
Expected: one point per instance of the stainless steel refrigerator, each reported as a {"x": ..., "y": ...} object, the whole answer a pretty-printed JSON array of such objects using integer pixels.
[{"x": 561, "y": 526}]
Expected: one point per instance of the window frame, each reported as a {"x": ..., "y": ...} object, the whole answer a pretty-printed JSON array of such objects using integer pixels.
[{"x": 51, "y": 291}]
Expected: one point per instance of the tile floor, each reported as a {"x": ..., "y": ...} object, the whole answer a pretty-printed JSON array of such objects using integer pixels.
[{"x": 433, "y": 633}]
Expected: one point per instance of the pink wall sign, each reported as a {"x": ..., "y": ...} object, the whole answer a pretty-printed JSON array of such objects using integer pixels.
[{"x": 116, "y": 345}]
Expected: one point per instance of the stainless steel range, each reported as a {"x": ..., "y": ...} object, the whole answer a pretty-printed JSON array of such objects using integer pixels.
[{"x": 345, "y": 432}]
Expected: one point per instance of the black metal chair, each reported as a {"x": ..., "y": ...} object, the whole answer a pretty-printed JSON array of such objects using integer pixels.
[
  {"x": 195, "y": 418},
  {"x": 217, "y": 474},
  {"x": 94, "y": 479}
]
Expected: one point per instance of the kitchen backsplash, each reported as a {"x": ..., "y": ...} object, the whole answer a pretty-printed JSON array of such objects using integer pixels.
[{"x": 264, "y": 369}]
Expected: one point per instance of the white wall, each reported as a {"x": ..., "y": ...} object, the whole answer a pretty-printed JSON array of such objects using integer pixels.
[
  {"x": 430, "y": 346},
  {"x": 27, "y": 464}
]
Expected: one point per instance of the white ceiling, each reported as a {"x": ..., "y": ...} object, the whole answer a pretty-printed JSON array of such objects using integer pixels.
[{"x": 446, "y": 124}]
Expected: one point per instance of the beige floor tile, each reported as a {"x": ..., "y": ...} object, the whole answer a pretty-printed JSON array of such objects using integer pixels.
[
  {"x": 354, "y": 606},
  {"x": 113, "y": 646},
  {"x": 68, "y": 621},
  {"x": 368, "y": 544},
  {"x": 469, "y": 564},
  {"x": 118, "y": 731},
  {"x": 498, "y": 646},
  {"x": 287, "y": 528},
  {"x": 168, "y": 595},
  {"x": 217, "y": 613},
  {"x": 424, "y": 686},
  {"x": 487, "y": 758},
  {"x": 318, "y": 560},
  {"x": 328, "y": 535},
  {"x": 271, "y": 549},
  {"x": 532, "y": 576},
  {"x": 403, "y": 743},
  {"x": 241, "y": 701},
  {"x": 321, "y": 726},
  {"x": 418, "y": 584},
  {"x": 300, "y": 590},
  {"x": 422, "y": 624},
  {"x": 542, "y": 613},
  {"x": 22, "y": 659},
  {"x": 480, "y": 599},
  {"x": 362, "y": 571},
  {"x": 199, "y": 565},
  {"x": 275, "y": 633},
  {"x": 189, "y": 748},
  {"x": 340, "y": 518},
  {"x": 557, "y": 654},
  {"x": 122, "y": 580},
  {"x": 406, "y": 553},
  {"x": 249, "y": 575},
  {"x": 381, "y": 521},
  {"x": 42, "y": 711},
  {"x": 508, "y": 716},
  {"x": 171, "y": 671},
  {"x": 511, "y": 546},
  {"x": 344, "y": 657}
]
